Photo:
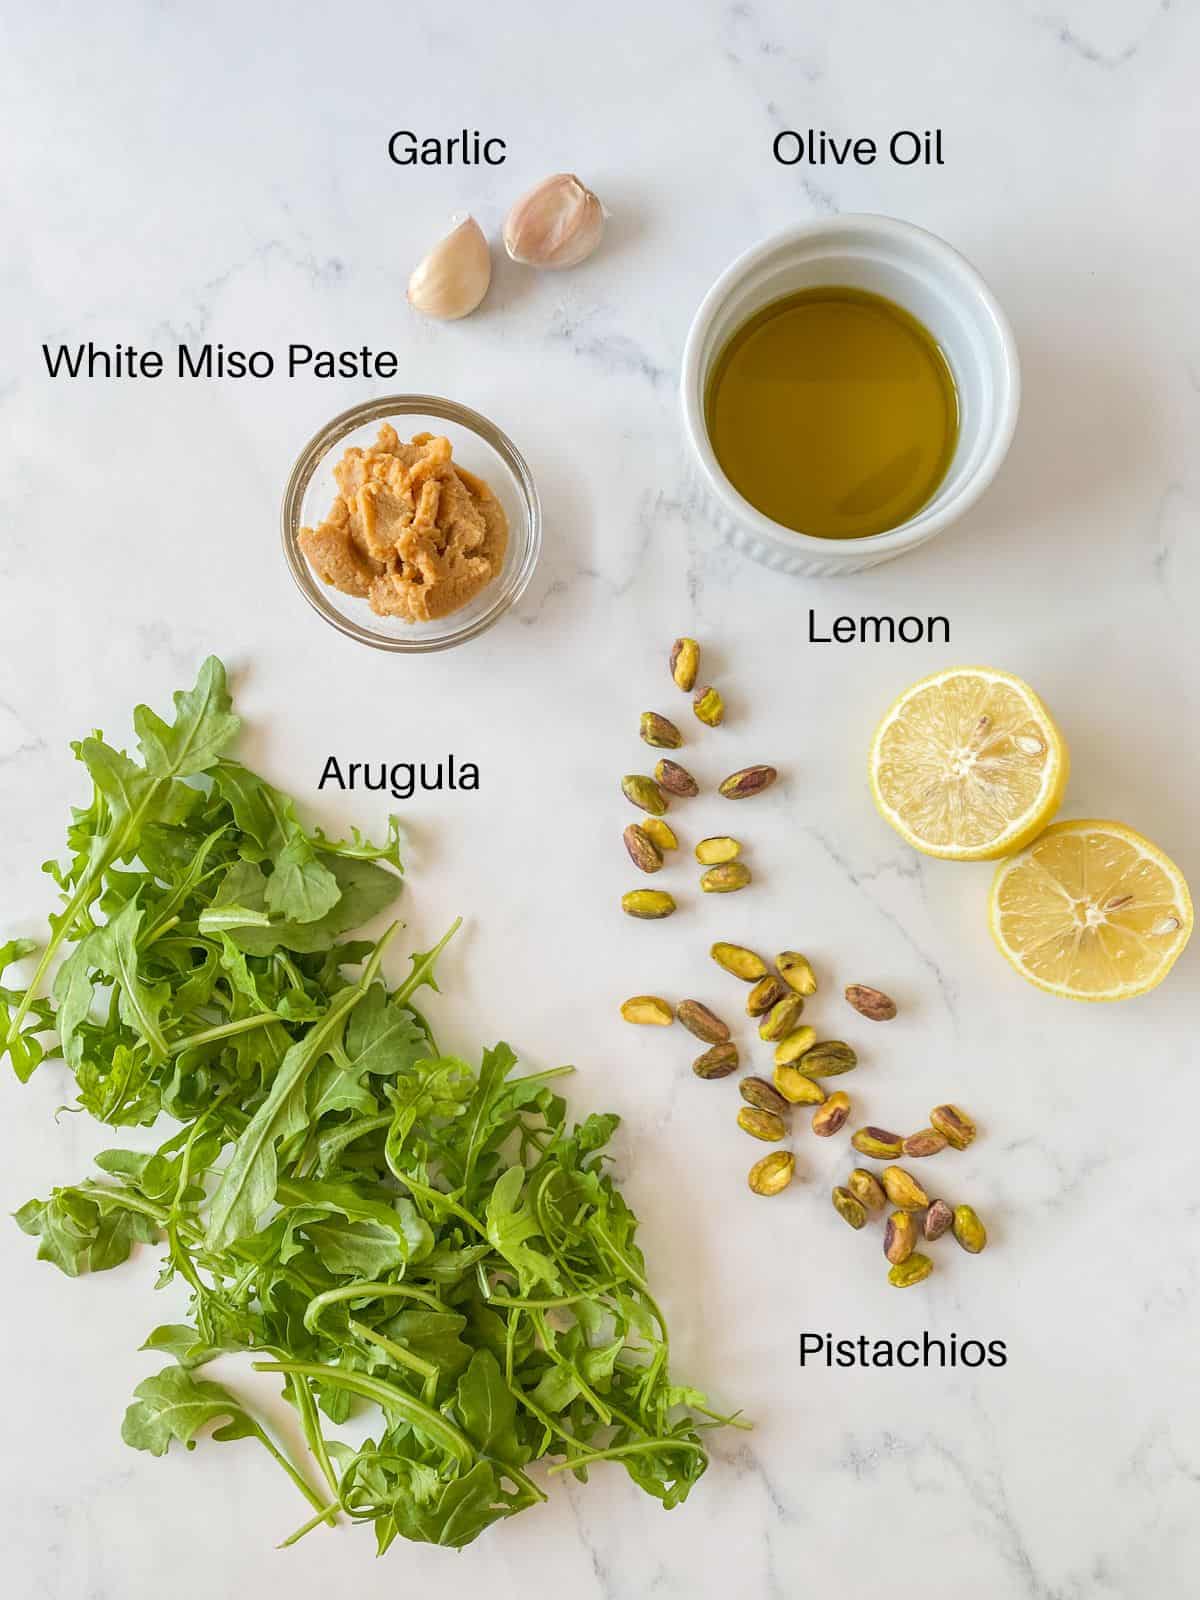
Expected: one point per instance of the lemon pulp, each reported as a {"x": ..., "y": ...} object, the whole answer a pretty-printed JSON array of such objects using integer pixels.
[
  {"x": 968, "y": 764},
  {"x": 1091, "y": 910}
]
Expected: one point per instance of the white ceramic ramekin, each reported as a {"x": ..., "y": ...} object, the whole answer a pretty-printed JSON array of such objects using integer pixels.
[{"x": 924, "y": 275}]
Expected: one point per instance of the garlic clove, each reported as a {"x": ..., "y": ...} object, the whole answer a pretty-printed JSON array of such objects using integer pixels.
[
  {"x": 557, "y": 224},
  {"x": 454, "y": 276}
]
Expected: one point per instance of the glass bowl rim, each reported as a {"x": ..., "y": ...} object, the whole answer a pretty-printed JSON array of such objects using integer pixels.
[{"x": 327, "y": 437}]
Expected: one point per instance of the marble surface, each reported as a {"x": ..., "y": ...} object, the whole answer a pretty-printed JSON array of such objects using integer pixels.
[{"x": 174, "y": 173}]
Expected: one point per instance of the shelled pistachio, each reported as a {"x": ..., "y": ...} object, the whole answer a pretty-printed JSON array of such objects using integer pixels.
[
  {"x": 739, "y": 961},
  {"x": 648, "y": 1008},
  {"x": 953, "y": 1124},
  {"x": 928, "y": 1142},
  {"x": 709, "y": 707},
  {"x": 747, "y": 782},
  {"x": 796, "y": 1088},
  {"x": 796, "y": 971},
  {"x": 728, "y": 878},
  {"x": 794, "y": 1046},
  {"x": 716, "y": 850},
  {"x": 641, "y": 849},
  {"x": 649, "y": 904},
  {"x": 939, "y": 1219},
  {"x": 915, "y": 1270},
  {"x": 865, "y": 1186},
  {"x": 659, "y": 833},
  {"x": 899, "y": 1236},
  {"x": 766, "y": 992},
  {"x": 702, "y": 1022},
  {"x": 761, "y": 1124},
  {"x": 772, "y": 1173},
  {"x": 968, "y": 1230},
  {"x": 676, "y": 780},
  {"x": 685, "y": 663},
  {"x": 877, "y": 1142},
  {"x": 758, "y": 1092},
  {"x": 660, "y": 731},
  {"x": 644, "y": 793},
  {"x": 831, "y": 1117},
  {"x": 782, "y": 1018},
  {"x": 903, "y": 1190},
  {"x": 718, "y": 1062},
  {"x": 871, "y": 1003},
  {"x": 849, "y": 1207},
  {"x": 829, "y": 1059}
]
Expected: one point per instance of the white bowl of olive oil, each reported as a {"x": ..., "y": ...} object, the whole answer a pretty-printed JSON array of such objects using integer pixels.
[{"x": 850, "y": 388}]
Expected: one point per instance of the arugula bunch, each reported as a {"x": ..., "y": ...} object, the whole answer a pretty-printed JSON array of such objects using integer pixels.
[{"x": 379, "y": 1223}]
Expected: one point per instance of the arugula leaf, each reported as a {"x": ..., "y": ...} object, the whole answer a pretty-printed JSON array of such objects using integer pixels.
[
  {"x": 134, "y": 797},
  {"x": 487, "y": 1412},
  {"x": 247, "y": 1186},
  {"x": 301, "y": 889},
  {"x": 511, "y": 1223},
  {"x": 174, "y": 1405},
  {"x": 395, "y": 1227},
  {"x": 78, "y": 1235},
  {"x": 204, "y": 726}
]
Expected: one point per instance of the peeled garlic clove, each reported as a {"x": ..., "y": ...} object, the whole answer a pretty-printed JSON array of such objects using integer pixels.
[
  {"x": 454, "y": 276},
  {"x": 557, "y": 224}
]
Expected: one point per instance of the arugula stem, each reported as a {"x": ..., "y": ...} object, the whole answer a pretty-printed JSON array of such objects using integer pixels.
[
  {"x": 388, "y": 1398},
  {"x": 435, "y": 1196},
  {"x": 495, "y": 1299},
  {"x": 398, "y": 1353},
  {"x": 424, "y": 967},
  {"x": 293, "y": 1472},
  {"x": 313, "y": 1522},
  {"x": 316, "y": 1439},
  {"x": 225, "y": 1031},
  {"x": 365, "y": 1291},
  {"x": 620, "y": 1450},
  {"x": 601, "y": 1409}
]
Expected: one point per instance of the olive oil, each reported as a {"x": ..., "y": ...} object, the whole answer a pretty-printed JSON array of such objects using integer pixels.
[{"x": 833, "y": 412}]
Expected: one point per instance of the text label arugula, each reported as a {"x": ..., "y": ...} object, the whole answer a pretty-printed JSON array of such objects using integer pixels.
[{"x": 401, "y": 779}]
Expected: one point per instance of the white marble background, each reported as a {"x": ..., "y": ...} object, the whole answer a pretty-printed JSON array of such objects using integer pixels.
[{"x": 219, "y": 172}]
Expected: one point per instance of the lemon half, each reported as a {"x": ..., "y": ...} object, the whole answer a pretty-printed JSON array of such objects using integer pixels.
[
  {"x": 968, "y": 765},
  {"x": 1091, "y": 910}
]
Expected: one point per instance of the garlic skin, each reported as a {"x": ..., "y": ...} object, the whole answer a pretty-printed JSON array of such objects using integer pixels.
[
  {"x": 454, "y": 276},
  {"x": 557, "y": 224}
]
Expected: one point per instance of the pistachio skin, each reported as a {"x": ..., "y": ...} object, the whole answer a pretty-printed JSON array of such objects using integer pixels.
[
  {"x": 702, "y": 1022},
  {"x": 659, "y": 731},
  {"x": 832, "y": 1116},
  {"x": 641, "y": 849},
  {"x": 953, "y": 1124},
  {"x": 899, "y": 1236},
  {"x": 871, "y": 1003}
]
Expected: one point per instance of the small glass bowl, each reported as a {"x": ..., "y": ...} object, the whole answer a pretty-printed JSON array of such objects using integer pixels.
[{"x": 483, "y": 449}]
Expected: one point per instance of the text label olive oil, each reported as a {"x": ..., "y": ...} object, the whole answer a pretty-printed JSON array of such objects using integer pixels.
[{"x": 833, "y": 412}]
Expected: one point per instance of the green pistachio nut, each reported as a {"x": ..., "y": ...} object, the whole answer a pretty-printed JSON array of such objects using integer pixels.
[
  {"x": 849, "y": 1207},
  {"x": 644, "y": 793},
  {"x": 796, "y": 972},
  {"x": 650, "y": 904}
]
